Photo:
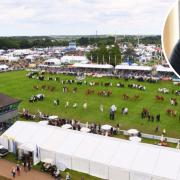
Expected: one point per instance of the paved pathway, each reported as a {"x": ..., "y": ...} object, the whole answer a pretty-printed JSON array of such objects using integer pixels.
[{"x": 5, "y": 170}]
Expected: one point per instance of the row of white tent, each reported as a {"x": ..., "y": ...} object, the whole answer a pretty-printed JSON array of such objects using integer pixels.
[
  {"x": 124, "y": 66},
  {"x": 101, "y": 156}
]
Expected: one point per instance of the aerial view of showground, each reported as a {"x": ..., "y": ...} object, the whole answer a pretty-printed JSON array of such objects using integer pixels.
[{"x": 98, "y": 102}]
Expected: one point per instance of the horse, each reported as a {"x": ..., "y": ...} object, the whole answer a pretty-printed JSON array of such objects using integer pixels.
[
  {"x": 96, "y": 83},
  {"x": 124, "y": 110},
  {"x": 145, "y": 112},
  {"x": 159, "y": 98},
  {"x": 163, "y": 90},
  {"x": 107, "y": 84},
  {"x": 177, "y": 92},
  {"x": 136, "y": 97},
  {"x": 38, "y": 97},
  {"x": 104, "y": 93},
  {"x": 89, "y": 91},
  {"x": 173, "y": 101},
  {"x": 79, "y": 82},
  {"x": 35, "y": 87},
  {"x": 109, "y": 93},
  {"x": 43, "y": 87},
  {"x": 41, "y": 77},
  {"x": 171, "y": 112},
  {"x": 51, "y": 88},
  {"x": 120, "y": 85},
  {"x": 125, "y": 97},
  {"x": 57, "y": 79},
  {"x": 75, "y": 90}
]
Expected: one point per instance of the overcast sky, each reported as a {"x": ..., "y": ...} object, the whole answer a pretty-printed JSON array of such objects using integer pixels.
[{"x": 73, "y": 17}]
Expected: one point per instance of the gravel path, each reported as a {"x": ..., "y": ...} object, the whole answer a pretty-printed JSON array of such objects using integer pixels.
[{"x": 5, "y": 170}]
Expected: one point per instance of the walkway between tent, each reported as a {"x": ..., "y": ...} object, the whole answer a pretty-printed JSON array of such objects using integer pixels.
[{"x": 5, "y": 170}]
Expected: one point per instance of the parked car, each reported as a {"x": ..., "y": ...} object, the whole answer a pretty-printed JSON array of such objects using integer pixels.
[{"x": 3, "y": 151}]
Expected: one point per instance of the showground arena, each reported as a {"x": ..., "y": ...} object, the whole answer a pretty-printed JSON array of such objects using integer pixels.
[{"x": 90, "y": 100}]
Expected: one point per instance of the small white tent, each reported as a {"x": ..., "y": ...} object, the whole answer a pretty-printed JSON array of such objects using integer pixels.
[
  {"x": 52, "y": 61},
  {"x": 3, "y": 67}
]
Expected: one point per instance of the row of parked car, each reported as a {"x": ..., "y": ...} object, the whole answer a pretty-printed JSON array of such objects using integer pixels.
[{"x": 3, "y": 151}]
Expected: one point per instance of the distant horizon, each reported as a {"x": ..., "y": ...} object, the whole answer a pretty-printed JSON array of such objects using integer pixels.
[{"x": 80, "y": 35}]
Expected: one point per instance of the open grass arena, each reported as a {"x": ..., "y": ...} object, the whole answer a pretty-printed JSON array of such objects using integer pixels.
[{"x": 102, "y": 92}]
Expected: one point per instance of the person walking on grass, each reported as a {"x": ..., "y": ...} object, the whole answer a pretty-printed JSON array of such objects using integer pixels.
[{"x": 157, "y": 129}]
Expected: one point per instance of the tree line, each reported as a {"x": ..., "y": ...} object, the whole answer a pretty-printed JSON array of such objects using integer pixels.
[
  {"x": 105, "y": 55},
  {"x": 45, "y": 41}
]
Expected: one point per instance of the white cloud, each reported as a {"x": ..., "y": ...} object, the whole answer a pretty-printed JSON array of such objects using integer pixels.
[{"x": 40, "y": 17}]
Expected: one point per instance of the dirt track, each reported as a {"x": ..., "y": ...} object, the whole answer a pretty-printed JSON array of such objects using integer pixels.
[{"x": 5, "y": 170}]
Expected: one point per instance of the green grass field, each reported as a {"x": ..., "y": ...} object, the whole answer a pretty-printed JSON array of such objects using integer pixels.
[{"x": 17, "y": 85}]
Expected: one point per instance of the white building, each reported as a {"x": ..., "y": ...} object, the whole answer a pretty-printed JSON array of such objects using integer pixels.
[
  {"x": 3, "y": 67},
  {"x": 101, "y": 156},
  {"x": 74, "y": 59},
  {"x": 52, "y": 61}
]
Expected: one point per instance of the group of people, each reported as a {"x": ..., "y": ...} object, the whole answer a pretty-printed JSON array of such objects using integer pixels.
[
  {"x": 151, "y": 118},
  {"x": 16, "y": 171},
  {"x": 77, "y": 125},
  {"x": 113, "y": 110}
]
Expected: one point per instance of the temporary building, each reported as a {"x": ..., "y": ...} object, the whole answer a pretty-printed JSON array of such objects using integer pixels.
[
  {"x": 161, "y": 68},
  {"x": 133, "y": 67},
  {"x": 52, "y": 61},
  {"x": 74, "y": 59},
  {"x": 82, "y": 155},
  {"x": 104, "y": 157},
  {"x": 3, "y": 67},
  {"x": 93, "y": 66},
  {"x": 101, "y": 158}
]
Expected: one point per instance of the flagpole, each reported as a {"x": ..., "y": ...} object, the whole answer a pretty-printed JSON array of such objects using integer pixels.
[{"x": 109, "y": 58}]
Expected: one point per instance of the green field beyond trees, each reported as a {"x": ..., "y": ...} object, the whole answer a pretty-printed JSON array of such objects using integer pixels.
[{"x": 17, "y": 85}]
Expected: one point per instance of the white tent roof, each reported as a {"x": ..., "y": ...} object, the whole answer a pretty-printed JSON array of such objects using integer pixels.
[
  {"x": 53, "y": 60},
  {"x": 93, "y": 66},
  {"x": 28, "y": 147},
  {"x": 70, "y": 146},
  {"x": 161, "y": 68},
  {"x": 22, "y": 51},
  {"x": 96, "y": 154},
  {"x": 145, "y": 154},
  {"x": 105, "y": 150},
  {"x": 9, "y": 57},
  {"x": 3, "y": 66},
  {"x": 133, "y": 67},
  {"x": 74, "y": 58},
  {"x": 124, "y": 157},
  {"x": 87, "y": 147},
  {"x": 168, "y": 164}
]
